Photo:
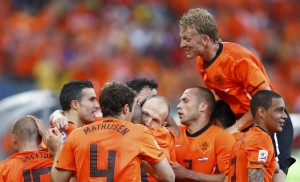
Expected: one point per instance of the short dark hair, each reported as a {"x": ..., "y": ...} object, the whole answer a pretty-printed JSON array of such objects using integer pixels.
[
  {"x": 205, "y": 94},
  {"x": 26, "y": 129},
  {"x": 138, "y": 84},
  {"x": 113, "y": 97},
  {"x": 224, "y": 114},
  {"x": 262, "y": 98},
  {"x": 72, "y": 91}
]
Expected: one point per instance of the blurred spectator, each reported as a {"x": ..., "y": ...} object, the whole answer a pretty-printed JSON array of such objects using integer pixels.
[{"x": 48, "y": 42}]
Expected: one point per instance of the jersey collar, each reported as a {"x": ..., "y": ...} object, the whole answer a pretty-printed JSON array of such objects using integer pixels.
[
  {"x": 198, "y": 132},
  {"x": 216, "y": 56}
]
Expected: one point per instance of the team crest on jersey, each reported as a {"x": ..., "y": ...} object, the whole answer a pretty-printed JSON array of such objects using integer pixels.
[
  {"x": 219, "y": 80},
  {"x": 204, "y": 146},
  {"x": 262, "y": 155}
]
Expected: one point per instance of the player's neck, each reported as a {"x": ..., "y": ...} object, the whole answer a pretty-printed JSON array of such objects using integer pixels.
[
  {"x": 73, "y": 117},
  {"x": 197, "y": 125},
  {"x": 211, "y": 52},
  {"x": 28, "y": 146}
]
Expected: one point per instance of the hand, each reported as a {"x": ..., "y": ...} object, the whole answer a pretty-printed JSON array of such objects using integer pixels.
[
  {"x": 58, "y": 120},
  {"x": 54, "y": 140},
  {"x": 141, "y": 99},
  {"x": 232, "y": 129},
  {"x": 40, "y": 124},
  {"x": 180, "y": 171}
]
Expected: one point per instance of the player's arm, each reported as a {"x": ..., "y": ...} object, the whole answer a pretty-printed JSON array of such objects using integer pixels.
[
  {"x": 152, "y": 169},
  {"x": 183, "y": 173},
  {"x": 54, "y": 142},
  {"x": 61, "y": 176},
  {"x": 244, "y": 122},
  {"x": 41, "y": 127},
  {"x": 59, "y": 120},
  {"x": 162, "y": 170},
  {"x": 255, "y": 175},
  {"x": 150, "y": 151},
  {"x": 226, "y": 178}
]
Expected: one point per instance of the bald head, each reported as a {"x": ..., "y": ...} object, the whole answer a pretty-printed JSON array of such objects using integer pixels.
[
  {"x": 26, "y": 129},
  {"x": 155, "y": 110}
]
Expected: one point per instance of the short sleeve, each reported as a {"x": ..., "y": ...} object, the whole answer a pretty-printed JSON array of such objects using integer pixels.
[
  {"x": 150, "y": 150},
  {"x": 66, "y": 159},
  {"x": 251, "y": 76},
  {"x": 259, "y": 151},
  {"x": 223, "y": 145}
]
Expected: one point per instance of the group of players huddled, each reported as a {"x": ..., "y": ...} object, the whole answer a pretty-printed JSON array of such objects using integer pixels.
[{"x": 129, "y": 134}]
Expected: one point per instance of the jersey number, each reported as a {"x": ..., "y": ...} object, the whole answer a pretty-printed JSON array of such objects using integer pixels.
[
  {"x": 233, "y": 163},
  {"x": 109, "y": 172},
  {"x": 35, "y": 174}
]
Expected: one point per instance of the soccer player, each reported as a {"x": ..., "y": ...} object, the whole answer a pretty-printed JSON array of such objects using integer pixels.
[
  {"x": 233, "y": 72},
  {"x": 252, "y": 157},
  {"x": 111, "y": 148},
  {"x": 79, "y": 105},
  {"x": 154, "y": 112},
  {"x": 29, "y": 163},
  {"x": 145, "y": 88},
  {"x": 202, "y": 149}
]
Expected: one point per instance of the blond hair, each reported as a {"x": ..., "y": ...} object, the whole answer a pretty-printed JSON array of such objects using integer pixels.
[{"x": 202, "y": 20}]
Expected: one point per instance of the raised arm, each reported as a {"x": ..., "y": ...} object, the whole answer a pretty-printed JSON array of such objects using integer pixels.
[
  {"x": 244, "y": 122},
  {"x": 41, "y": 127},
  {"x": 54, "y": 143},
  {"x": 59, "y": 120}
]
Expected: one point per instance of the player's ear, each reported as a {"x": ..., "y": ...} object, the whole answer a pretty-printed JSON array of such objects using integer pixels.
[
  {"x": 260, "y": 111},
  {"x": 14, "y": 139},
  {"x": 74, "y": 104},
  {"x": 125, "y": 109},
  {"x": 203, "y": 106},
  {"x": 206, "y": 39}
]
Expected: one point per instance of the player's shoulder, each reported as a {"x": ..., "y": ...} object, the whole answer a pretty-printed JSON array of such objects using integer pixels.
[
  {"x": 10, "y": 162},
  {"x": 233, "y": 47},
  {"x": 162, "y": 132},
  {"x": 4, "y": 162},
  {"x": 221, "y": 134},
  {"x": 219, "y": 130},
  {"x": 181, "y": 127},
  {"x": 256, "y": 136},
  {"x": 236, "y": 51}
]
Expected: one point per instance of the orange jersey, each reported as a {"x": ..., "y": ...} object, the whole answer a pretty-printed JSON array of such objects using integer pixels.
[
  {"x": 235, "y": 75},
  {"x": 206, "y": 151},
  {"x": 166, "y": 140},
  {"x": 237, "y": 135},
  {"x": 253, "y": 150},
  {"x": 109, "y": 150},
  {"x": 71, "y": 127},
  {"x": 27, "y": 166}
]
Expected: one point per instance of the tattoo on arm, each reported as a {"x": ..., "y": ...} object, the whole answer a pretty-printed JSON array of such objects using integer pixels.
[{"x": 255, "y": 175}]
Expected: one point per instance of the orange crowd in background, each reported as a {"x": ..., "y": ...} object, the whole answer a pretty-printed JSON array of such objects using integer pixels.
[{"x": 55, "y": 41}]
